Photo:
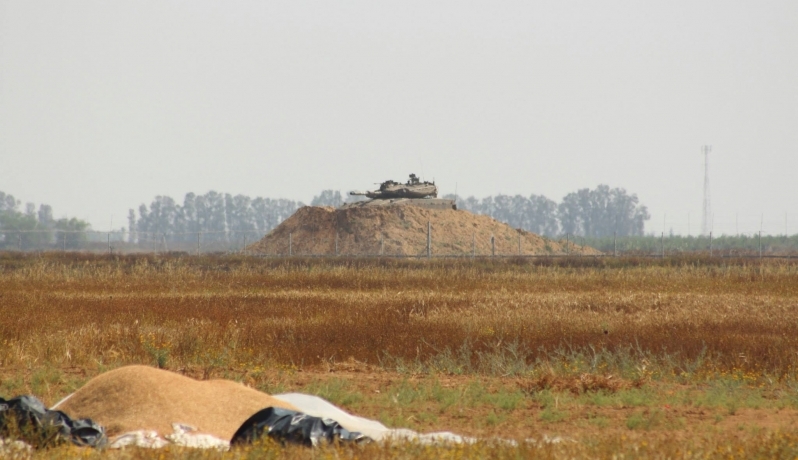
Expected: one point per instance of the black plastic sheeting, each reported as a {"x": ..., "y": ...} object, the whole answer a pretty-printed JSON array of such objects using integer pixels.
[
  {"x": 288, "y": 426},
  {"x": 26, "y": 416}
]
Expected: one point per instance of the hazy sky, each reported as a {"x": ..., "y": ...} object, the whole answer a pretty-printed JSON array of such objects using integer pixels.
[{"x": 104, "y": 105}]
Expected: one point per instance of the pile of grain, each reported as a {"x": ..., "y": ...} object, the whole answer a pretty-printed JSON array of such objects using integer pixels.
[
  {"x": 141, "y": 397},
  {"x": 402, "y": 231}
]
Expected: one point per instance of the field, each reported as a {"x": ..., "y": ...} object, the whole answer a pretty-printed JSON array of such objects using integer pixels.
[{"x": 674, "y": 357}]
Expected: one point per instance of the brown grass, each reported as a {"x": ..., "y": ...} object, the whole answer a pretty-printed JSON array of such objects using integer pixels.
[
  {"x": 766, "y": 445},
  {"x": 712, "y": 341},
  {"x": 579, "y": 384},
  {"x": 181, "y": 311}
]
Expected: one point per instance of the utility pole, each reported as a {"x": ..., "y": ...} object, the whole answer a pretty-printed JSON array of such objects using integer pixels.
[
  {"x": 706, "y": 217},
  {"x": 710, "y": 244},
  {"x": 429, "y": 239}
]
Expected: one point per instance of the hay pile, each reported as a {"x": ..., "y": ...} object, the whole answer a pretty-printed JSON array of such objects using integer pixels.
[
  {"x": 141, "y": 397},
  {"x": 401, "y": 231}
]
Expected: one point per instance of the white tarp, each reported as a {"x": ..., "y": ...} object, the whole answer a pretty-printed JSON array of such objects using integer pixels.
[{"x": 318, "y": 407}]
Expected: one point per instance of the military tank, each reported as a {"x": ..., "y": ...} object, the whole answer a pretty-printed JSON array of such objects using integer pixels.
[
  {"x": 414, "y": 192},
  {"x": 413, "y": 188}
]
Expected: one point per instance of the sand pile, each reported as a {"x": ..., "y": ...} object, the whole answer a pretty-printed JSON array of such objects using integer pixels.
[
  {"x": 401, "y": 230},
  {"x": 141, "y": 397}
]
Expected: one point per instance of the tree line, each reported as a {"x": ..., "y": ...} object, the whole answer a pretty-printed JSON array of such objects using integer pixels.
[
  {"x": 216, "y": 215},
  {"x": 30, "y": 228},
  {"x": 220, "y": 216},
  {"x": 602, "y": 211}
]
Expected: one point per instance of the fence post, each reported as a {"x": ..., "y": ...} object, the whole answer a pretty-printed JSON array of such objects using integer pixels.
[
  {"x": 19, "y": 241},
  {"x": 492, "y": 246},
  {"x": 429, "y": 239},
  {"x": 290, "y": 245},
  {"x": 615, "y": 244},
  {"x": 520, "y": 252},
  {"x": 710, "y": 244},
  {"x": 198, "y": 243}
]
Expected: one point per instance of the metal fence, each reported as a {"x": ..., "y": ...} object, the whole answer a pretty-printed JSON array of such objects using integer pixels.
[
  {"x": 119, "y": 242},
  {"x": 240, "y": 242}
]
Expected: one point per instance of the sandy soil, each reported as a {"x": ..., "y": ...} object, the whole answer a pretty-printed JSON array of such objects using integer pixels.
[
  {"x": 144, "y": 398},
  {"x": 402, "y": 231}
]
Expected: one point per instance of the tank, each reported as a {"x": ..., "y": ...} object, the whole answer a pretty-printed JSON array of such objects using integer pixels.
[{"x": 413, "y": 188}]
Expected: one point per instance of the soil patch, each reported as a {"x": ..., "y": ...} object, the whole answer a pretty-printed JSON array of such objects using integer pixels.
[
  {"x": 402, "y": 231},
  {"x": 578, "y": 384},
  {"x": 141, "y": 397}
]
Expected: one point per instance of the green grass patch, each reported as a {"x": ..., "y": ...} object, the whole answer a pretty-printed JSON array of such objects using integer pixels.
[{"x": 337, "y": 391}]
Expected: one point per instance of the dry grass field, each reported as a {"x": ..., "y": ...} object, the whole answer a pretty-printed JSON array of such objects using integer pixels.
[{"x": 676, "y": 357}]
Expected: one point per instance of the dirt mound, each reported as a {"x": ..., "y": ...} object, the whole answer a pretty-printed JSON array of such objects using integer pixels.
[
  {"x": 402, "y": 231},
  {"x": 141, "y": 397}
]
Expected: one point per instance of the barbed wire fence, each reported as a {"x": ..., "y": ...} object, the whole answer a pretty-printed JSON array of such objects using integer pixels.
[{"x": 750, "y": 244}]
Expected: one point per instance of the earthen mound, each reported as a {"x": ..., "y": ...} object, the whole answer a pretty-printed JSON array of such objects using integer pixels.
[
  {"x": 402, "y": 231},
  {"x": 141, "y": 397}
]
